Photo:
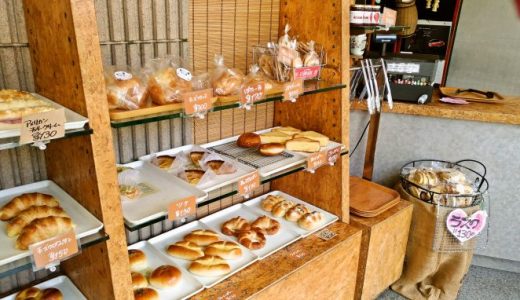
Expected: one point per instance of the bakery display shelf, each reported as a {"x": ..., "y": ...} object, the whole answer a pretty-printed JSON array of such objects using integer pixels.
[
  {"x": 62, "y": 283},
  {"x": 310, "y": 87},
  {"x": 360, "y": 29},
  {"x": 12, "y": 142},
  {"x": 230, "y": 190},
  {"x": 26, "y": 264}
]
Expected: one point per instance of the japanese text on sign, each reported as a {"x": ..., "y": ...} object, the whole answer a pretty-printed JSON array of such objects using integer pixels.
[
  {"x": 317, "y": 159},
  {"x": 248, "y": 183},
  {"x": 292, "y": 90},
  {"x": 43, "y": 126},
  {"x": 333, "y": 155},
  {"x": 306, "y": 72},
  {"x": 54, "y": 249},
  {"x": 198, "y": 101},
  {"x": 464, "y": 227},
  {"x": 183, "y": 208},
  {"x": 252, "y": 93}
]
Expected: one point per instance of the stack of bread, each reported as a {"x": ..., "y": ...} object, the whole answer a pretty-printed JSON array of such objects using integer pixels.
[
  {"x": 34, "y": 293},
  {"x": 283, "y": 138},
  {"x": 251, "y": 235},
  {"x": 34, "y": 217},
  {"x": 162, "y": 277},
  {"x": 299, "y": 213}
]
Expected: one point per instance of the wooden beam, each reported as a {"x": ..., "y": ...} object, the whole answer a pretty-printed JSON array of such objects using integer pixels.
[{"x": 370, "y": 152}]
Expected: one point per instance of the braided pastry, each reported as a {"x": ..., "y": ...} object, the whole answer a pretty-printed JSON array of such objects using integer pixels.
[
  {"x": 252, "y": 239},
  {"x": 23, "y": 202},
  {"x": 270, "y": 201},
  {"x": 266, "y": 224},
  {"x": 235, "y": 225},
  {"x": 296, "y": 212}
]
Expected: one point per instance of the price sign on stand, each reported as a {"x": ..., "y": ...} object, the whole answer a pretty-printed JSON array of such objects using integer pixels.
[
  {"x": 248, "y": 183},
  {"x": 51, "y": 251},
  {"x": 306, "y": 72},
  {"x": 43, "y": 126},
  {"x": 333, "y": 155},
  {"x": 326, "y": 234},
  {"x": 292, "y": 90},
  {"x": 252, "y": 93},
  {"x": 198, "y": 102},
  {"x": 316, "y": 160},
  {"x": 182, "y": 208}
]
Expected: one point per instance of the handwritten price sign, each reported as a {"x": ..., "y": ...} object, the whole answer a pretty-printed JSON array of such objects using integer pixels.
[
  {"x": 54, "y": 250},
  {"x": 292, "y": 90},
  {"x": 316, "y": 160},
  {"x": 198, "y": 101},
  {"x": 464, "y": 227},
  {"x": 183, "y": 208},
  {"x": 248, "y": 183},
  {"x": 326, "y": 234},
  {"x": 252, "y": 93},
  {"x": 333, "y": 155},
  {"x": 306, "y": 72},
  {"x": 43, "y": 126}
]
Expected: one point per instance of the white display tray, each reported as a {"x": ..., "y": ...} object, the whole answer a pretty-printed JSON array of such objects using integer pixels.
[
  {"x": 269, "y": 169},
  {"x": 168, "y": 188},
  {"x": 187, "y": 287},
  {"x": 219, "y": 181},
  {"x": 62, "y": 283},
  {"x": 162, "y": 242},
  {"x": 273, "y": 243},
  {"x": 254, "y": 205},
  {"x": 73, "y": 120},
  {"x": 86, "y": 223}
]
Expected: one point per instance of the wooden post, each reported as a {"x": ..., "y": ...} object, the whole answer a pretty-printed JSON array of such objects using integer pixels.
[
  {"x": 66, "y": 61},
  {"x": 370, "y": 152}
]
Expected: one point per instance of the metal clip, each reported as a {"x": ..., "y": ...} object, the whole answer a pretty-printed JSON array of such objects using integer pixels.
[{"x": 40, "y": 145}]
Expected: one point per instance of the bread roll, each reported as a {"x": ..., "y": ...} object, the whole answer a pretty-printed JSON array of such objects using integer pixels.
[
  {"x": 202, "y": 237},
  {"x": 313, "y": 135},
  {"x": 296, "y": 212},
  {"x": 29, "y": 293},
  {"x": 267, "y": 225},
  {"x": 185, "y": 250},
  {"x": 271, "y": 149},
  {"x": 248, "y": 140},
  {"x": 303, "y": 145},
  {"x": 270, "y": 201},
  {"x": 42, "y": 229},
  {"x": 311, "y": 221},
  {"x": 165, "y": 276},
  {"x": 146, "y": 294},
  {"x": 23, "y": 202},
  {"x": 209, "y": 265},
  {"x": 233, "y": 226},
  {"x": 51, "y": 294},
  {"x": 274, "y": 137},
  {"x": 138, "y": 260},
  {"x": 15, "y": 225},
  {"x": 226, "y": 250},
  {"x": 281, "y": 208},
  {"x": 288, "y": 130},
  {"x": 252, "y": 239},
  {"x": 139, "y": 281},
  {"x": 166, "y": 87}
]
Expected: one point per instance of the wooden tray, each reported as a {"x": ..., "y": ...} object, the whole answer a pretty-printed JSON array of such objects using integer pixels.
[
  {"x": 368, "y": 199},
  {"x": 468, "y": 96}
]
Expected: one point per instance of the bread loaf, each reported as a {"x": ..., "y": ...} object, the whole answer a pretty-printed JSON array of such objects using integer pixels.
[
  {"x": 23, "y": 202},
  {"x": 127, "y": 94},
  {"x": 248, "y": 140},
  {"x": 138, "y": 260},
  {"x": 226, "y": 250},
  {"x": 166, "y": 87},
  {"x": 209, "y": 265},
  {"x": 15, "y": 225},
  {"x": 274, "y": 137},
  {"x": 303, "y": 145},
  {"x": 185, "y": 250},
  {"x": 322, "y": 139},
  {"x": 165, "y": 276},
  {"x": 287, "y": 130},
  {"x": 146, "y": 294},
  {"x": 42, "y": 229},
  {"x": 271, "y": 149},
  {"x": 202, "y": 237}
]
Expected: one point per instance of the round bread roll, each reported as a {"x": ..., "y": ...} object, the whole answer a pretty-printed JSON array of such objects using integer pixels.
[
  {"x": 51, "y": 294},
  {"x": 249, "y": 140},
  {"x": 139, "y": 280},
  {"x": 281, "y": 208},
  {"x": 202, "y": 237},
  {"x": 270, "y": 201},
  {"x": 209, "y": 265},
  {"x": 29, "y": 293},
  {"x": 266, "y": 225},
  {"x": 311, "y": 220},
  {"x": 165, "y": 276},
  {"x": 296, "y": 212},
  {"x": 137, "y": 260},
  {"x": 271, "y": 149},
  {"x": 252, "y": 239},
  {"x": 226, "y": 250},
  {"x": 234, "y": 225},
  {"x": 146, "y": 294},
  {"x": 185, "y": 250}
]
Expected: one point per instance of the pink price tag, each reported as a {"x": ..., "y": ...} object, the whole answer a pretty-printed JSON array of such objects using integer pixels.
[
  {"x": 306, "y": 72},
  {"x": 464, "y": 227}
]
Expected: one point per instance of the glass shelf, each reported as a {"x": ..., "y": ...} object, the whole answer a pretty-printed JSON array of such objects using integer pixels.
[
  {"x": 310, "y": 87},
  {"x": 228, "y": 191},
  {"x": 26, "y": 264},
  {"x": 12, "y": 142},
  {"x": 359, "y": 29}
]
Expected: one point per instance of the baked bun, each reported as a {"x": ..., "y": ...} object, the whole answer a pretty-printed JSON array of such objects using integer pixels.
[
  {"x": 266, "y": 224},
  {"x": 296, "y": 212},
  {"x": 166, "y": 87},
  {"x": 270, "y": 201},
  {"x": 281, "y": 208},
  {"x": 271, "y": 149},
  {"x": 165, "y": 276},
  {"x": 29, "y": 293},
  {"x": 202, "y": 237},
  {"x": 311, "y": 220},
  {"x": 209, "y": 265},
  {"x": 424, "y": 177},
  {"x": 137, "y": 260},
  {"x": 185, "y": 250},
  {"x": 252, "y": 239},
  {"x": 248, "y": 140},
  {"x": 139, "y": 281},
  {"x": 194, "y": 176},
  {"x": 164, "y": 161},
  {"x": 224, "y": 249},
  {"x": 23, "y": 202},
  {"x": 127, "y": 94},
  {"x": 51, "y": 294},
  {"x": 235, "y": 225},
  {"x": 146, "y": 294}
]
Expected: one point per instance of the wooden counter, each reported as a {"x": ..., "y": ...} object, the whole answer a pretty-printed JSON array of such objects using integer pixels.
[
  {"x": 312, "y": 267},
  {"x": 506, "y": 113}
]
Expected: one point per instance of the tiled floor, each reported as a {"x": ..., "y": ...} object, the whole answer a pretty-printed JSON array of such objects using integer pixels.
[{"x": 481, "y": 284}]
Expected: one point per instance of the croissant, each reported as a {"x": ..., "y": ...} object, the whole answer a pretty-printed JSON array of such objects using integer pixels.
[
  {"x": 15, "y": 225},
  {"x": 42, "y": 229},
  {"x": 22, "y": 202}
]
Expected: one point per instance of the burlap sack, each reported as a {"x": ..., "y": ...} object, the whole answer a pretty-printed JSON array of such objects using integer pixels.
[{"x": 428, "y": 274}]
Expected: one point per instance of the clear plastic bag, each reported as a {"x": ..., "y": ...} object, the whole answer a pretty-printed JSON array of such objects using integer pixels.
[
  {"x": 217, "y": 164},
  {"x": 167, "y": 80},
  {"x": 129, "y": 180},
  {"x": 311, "y": 58},
  {"x": 225, "y": 81},
  {"x": 125, "y": 88}
]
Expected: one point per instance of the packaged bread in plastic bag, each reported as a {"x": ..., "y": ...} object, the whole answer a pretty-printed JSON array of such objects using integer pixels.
[
  {"x": 219, "y": 166},
  {"x": 311, "y": 58},
  {"x": 129, "y": 180},
  {"x": 126, "y": 88},
  {"x": 167, "y": 80},
  {"x": 225, "y": 81}
]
